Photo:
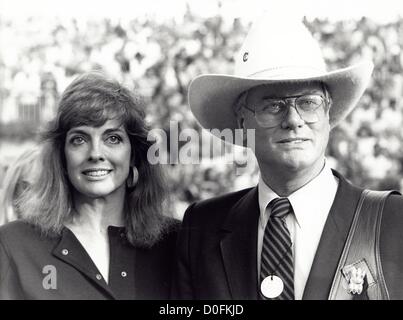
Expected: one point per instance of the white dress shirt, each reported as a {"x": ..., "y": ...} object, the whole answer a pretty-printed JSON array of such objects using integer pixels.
[{"x": 311, "y": 204}]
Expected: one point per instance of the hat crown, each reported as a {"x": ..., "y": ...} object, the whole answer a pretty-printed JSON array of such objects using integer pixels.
[{"x": 279, "y": 48}]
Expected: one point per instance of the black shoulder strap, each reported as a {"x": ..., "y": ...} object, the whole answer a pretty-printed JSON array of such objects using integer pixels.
[{"x": 361, "y": 249}]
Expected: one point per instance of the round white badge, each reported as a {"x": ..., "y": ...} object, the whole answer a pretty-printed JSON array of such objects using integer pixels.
[{"x": 272, "y": 287}]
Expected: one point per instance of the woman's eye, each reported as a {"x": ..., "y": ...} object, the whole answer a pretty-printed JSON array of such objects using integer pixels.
[
  {"x": 77, "y": 140},
  {"x": 114, "y": 139}
]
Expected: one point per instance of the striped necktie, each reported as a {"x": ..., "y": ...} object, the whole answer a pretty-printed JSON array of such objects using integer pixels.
[{"x": 276, "y": 256}]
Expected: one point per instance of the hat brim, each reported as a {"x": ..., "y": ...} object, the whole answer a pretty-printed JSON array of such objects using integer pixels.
[{"x": 212, "y": 96}]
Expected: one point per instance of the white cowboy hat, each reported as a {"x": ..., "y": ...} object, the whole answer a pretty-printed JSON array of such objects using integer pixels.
[{"x": 275, "y": 50}]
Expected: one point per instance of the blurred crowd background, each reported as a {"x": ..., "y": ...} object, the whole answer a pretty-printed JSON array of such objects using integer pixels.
[{"x": 40, "y": 57}]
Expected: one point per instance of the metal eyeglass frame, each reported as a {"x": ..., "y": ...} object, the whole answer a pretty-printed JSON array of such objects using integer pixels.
[{"x": 286, "y": 101}]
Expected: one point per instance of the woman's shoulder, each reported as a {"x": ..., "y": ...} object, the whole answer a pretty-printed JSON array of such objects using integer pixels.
[
  {"x": 172, "y": 224},
  {"x": 17, "y": 228},
  {"x": 169, "y": 233},
  {"x": 17, "y": 234}
]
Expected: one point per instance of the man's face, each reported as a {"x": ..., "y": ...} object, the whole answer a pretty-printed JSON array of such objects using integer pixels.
[{"x": 292, "y": 144}]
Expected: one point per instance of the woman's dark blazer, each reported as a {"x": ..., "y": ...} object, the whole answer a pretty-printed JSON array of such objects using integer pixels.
[{"x": 38, "y": 267}]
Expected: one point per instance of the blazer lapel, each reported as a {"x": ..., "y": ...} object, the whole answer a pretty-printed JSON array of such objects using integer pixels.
[
  {"x": 332, "y": 241},
  {"x": 238, "y": 247}
]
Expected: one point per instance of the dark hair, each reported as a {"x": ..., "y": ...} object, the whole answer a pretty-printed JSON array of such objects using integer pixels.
[{"x": 92, "y": 99}]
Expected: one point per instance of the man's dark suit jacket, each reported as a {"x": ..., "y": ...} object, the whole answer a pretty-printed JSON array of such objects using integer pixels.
[
  {"x": 217, "y": 246},
  {"x": 28, "y": 259}
]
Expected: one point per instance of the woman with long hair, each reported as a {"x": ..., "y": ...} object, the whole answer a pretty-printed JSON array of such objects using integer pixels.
[{"x": 92, "y": 224}]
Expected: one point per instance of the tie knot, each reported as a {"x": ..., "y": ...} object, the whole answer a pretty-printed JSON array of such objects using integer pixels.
[{"x": 280, "y": 207}]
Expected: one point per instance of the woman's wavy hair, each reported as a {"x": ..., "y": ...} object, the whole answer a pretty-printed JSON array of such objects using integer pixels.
[
  {"x": 91, "y": 100},
  {"x": 17, "y": 179}
]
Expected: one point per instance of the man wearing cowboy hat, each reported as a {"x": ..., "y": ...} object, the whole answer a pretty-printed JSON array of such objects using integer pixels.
[{"x": 284, "y": 238}]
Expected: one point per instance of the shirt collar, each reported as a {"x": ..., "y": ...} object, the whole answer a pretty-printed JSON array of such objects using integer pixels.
[
  {"x": 314, "y": 194},
  {"x": 265, "y": 196}
]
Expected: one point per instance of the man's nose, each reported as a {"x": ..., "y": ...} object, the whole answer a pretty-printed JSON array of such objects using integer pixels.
[
  {"x": 292, "y": 119},
  {"x": 96, "y": 152}
]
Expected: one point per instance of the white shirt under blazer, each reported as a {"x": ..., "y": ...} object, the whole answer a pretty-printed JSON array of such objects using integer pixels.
[{"x": 311, "y": 204}]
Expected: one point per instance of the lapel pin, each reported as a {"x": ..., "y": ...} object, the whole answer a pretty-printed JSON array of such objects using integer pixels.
[{"x": 355, "y": 278}]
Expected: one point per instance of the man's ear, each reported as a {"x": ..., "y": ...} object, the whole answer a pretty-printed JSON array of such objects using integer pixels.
[
  {"x": 241, "y": 125},
  {"x": 240, "y": 121},
  {"x": 327, "y": 114}
]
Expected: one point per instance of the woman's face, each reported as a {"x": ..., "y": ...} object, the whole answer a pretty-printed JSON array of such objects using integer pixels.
[{"x": 98, "y": 159}]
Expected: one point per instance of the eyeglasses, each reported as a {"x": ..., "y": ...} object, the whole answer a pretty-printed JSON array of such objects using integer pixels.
[{"x": 272, "y": 111}]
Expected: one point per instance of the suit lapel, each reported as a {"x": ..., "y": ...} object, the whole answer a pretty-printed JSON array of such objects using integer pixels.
[
  {"x": 238, "y": 247},
  {"x": 332, "y": 241}
]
